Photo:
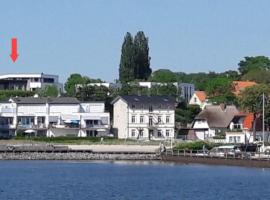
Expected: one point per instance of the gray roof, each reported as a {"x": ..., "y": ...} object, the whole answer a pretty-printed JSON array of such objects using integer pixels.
[
  {"x": 161, "y": 102},
  {"x": 217, "y": 117},
  {"x": 44, "y": 100}
]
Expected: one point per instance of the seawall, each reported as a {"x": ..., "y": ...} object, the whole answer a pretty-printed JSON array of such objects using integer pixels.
[{"x": 77, "y": 156}]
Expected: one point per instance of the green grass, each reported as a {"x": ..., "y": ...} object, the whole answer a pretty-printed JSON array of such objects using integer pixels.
[{"x": 82, "y": 140}]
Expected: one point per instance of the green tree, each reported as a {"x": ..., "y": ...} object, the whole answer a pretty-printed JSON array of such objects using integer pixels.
[
  {"x": 49, "y": 91},
  {"x": 219, "y": 90},
  {"x": 185, "y": 114},
  {"x": 142, "y": 59},
  {"x": 259, "y": 76},
  {"x": 93, "y": 93},
  {"x": 253, "y": 64},
  {"x": 163, "y": 76},
  {"x": 251, "y": 98},
  {"x": 72, "y": 81},
  {"x": 127, "y": 61},
  {"x": 164, "y": 90},
  {"x": 251, "y": 101}
]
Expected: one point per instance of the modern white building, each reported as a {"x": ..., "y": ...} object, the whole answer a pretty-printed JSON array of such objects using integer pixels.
[
  {"x": 29, "y": 82},
  {"x": 53, "y": 117},
  {"x": 144, "y": 117}
]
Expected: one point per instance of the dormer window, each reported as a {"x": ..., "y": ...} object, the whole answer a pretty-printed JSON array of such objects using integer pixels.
[{"x": 133, "y": 106}]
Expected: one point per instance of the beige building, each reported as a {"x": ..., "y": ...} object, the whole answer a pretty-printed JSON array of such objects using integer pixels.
[{"x": 144, "y": 117}]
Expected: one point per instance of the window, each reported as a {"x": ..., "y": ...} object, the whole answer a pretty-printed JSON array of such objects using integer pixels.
[
  {"x": 167, "y": 119},
  {"x": 133, "y": 119},
  {"x": 167, "y": 133},
  {"x": 133, "y": 132},
  {"x": 141, "y": 119},
  {"x": 48, "y": 80},
  {"x": 159, "y": 119},
  {"x": 150, "y": 120},
  {"x": 132, "y": 106},
  {"x": 195, "y": 99},
  {"x": 159, "y": 132},
  {"x": 141, "y": 133},
  {"x": 150, "y": 108}
]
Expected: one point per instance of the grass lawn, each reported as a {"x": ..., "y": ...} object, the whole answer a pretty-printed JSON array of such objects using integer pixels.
[{"x": 78, "y": 141}]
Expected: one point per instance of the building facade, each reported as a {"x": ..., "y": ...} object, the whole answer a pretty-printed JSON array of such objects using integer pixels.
[
  {"x": 144, "y": 117},
  {"x": 29, "y": 82},
  {"x": 53, "y": 117}
]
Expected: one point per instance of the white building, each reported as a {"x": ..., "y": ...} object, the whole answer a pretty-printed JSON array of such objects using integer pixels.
[
  {"x": 144, "y": 117},
  {"x": 199, "y": 98},
  {"x": 53, "y": 117},
  {"x": 28, "y": 82},
  {"x": 217, "y": 119}
]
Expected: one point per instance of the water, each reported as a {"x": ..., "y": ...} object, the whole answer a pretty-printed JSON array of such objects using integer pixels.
[{"x": 40, "y": 180}]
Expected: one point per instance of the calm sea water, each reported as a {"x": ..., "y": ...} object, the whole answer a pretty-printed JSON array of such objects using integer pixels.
[{"x": 38, "y": 180}]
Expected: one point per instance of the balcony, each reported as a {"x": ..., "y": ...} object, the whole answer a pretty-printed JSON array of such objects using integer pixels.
[{"x": 7, "y": 126}]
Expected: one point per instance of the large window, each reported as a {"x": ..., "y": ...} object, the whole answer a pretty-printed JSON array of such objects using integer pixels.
[
  {"x": 133, "y": 132},
  {"x": 150, "y": 120},
  {"x": 141, "y": 119},
  {"x": 159, "y": 119},
  {"x": 141, "y": 133},
  {"x": 159, "y": 133},
  {"x": 234, "y": 139},
  {"x": 167, "y": 133},
  {"x": 167, "y": 119},
  {"x": 133, "y": 119}
]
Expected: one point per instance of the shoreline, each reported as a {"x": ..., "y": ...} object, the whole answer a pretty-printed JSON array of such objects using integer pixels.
[
  {"x": 217, "y": 161},
  {"x": 79, "y": 156}
]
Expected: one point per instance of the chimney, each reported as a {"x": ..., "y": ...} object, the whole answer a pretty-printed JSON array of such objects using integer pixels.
[{"x": 222, "y": 106}]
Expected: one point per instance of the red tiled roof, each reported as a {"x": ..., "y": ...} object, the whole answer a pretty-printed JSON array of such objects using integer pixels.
[
  {"x": 239, "y": 86},
  {"x": 248, "y": 121},
  {"x": 201, "y": 95}
]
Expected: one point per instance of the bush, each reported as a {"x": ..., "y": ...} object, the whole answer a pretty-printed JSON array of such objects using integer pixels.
[{"x": 197, "y": 145}]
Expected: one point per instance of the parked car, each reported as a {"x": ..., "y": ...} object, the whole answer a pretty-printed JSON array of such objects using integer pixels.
[{"x": 225, "y": 151}]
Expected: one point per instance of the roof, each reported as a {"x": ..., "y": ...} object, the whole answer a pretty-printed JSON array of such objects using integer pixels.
[
  {"x": 155, "y": 101},
  {"x": 217, "y": 117},
  {"x": 239, "y": 86},
  {"x": 44, "y": 100},
  {"x": 201, "y": 95},
  {"x": 248, "y": 121},
  {"x": 38, "y": 75}
]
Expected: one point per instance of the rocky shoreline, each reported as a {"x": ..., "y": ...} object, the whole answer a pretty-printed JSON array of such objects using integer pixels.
[{"x": 76, "y": 156}]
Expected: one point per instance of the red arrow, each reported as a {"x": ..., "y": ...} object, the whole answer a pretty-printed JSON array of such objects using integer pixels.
[{"x": 14, "y": 54}]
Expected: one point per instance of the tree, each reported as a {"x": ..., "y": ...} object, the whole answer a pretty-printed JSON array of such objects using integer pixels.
[
  {"x": 253, "y": 64},
  {"x": 164, "y": 90},
  {"x": 72, "y": 81},
  {"x": 163, "y": 76},
  {"x": 219, "y": 90},
  {"x": 93, "y": 93},
  {"x": 142, "y": 59},
  {"x": 259, "y": 76},
  {"x": 251, "y": 101},
  {"x": 185, "y": 114},
  {"x": 49, "y": 91},
  {"x": 127, "y": 61}
]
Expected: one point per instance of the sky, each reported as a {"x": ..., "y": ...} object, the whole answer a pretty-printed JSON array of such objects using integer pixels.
[{"x": 85, "y": 36}]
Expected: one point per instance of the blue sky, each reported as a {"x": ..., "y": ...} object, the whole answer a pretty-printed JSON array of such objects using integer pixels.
[{"x": 85, "y": 36}]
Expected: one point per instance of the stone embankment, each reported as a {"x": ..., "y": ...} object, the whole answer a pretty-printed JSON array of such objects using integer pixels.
[
  {"x": 76, "y": 156},
  {"x": 51, "y": 152}
]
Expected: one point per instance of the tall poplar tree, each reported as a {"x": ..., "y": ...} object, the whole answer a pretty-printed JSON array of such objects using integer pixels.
[
  {"x": 142, "y": 59},
  {"x": 127, "y": 62}
]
